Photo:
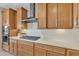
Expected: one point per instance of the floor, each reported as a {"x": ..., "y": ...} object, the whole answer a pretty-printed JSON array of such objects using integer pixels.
[{"x": 4, "y": 53}]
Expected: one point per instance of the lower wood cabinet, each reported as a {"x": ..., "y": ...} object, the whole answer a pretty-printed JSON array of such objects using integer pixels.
[
  {"x": 13, "y": 46},
  {"x": 39, "y": 51},
  {"x": 25, "y": 48},
  {"x": 72, "y": 52},
  {"x": 43, "y": 50}
]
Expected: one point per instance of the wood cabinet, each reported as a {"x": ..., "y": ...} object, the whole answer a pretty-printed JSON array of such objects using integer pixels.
[
  {"x": 25, "y": 48},
  {"x": 43, "y": 50},
  {"x": 0, "y": 41},
  {"x": 1, "y": 18},
  {"x": 50, "y": 53},
  {"x": 72, "y": 52},
  {"x": 5, "y": 47},
  {"x": 65, "y": 16},
  {"x": 21, "y": 14},
  {"x": 14, "y": 32},
  {"x": 76, "y": 15},
  {"x": 13, "y": 46},
  {"x": 52, "y": 15},
  {"x": 42, "y": 15},
  {"x": 39, "y": 51},
  {"x": 9, "y": 18}
]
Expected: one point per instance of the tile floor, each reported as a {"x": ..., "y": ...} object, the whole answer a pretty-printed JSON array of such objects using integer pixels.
[{"x": 4, "y": 53}]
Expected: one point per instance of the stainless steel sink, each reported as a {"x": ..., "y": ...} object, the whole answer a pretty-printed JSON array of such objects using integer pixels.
[{"x": 34, "y": 38}]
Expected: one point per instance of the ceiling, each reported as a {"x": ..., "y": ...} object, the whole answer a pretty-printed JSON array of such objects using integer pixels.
[{"x": 14, "y": 5}]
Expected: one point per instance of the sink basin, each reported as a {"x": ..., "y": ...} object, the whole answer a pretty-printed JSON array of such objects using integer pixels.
[{"x": 34, "y": 38}]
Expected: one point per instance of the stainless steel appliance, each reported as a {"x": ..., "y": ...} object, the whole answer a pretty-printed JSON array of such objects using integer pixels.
[{"x": 5, "y": 35}]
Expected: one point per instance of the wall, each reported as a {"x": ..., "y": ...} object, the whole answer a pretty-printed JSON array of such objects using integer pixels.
[{"x": 64, "y": 35}]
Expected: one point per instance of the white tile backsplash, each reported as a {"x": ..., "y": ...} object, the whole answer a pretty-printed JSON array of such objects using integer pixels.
[
  {"x": 32, "y": 25},
  {"x": 65, "y": 35}
]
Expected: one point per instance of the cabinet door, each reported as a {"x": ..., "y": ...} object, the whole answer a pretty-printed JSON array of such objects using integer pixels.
[
  {"x": 11, "y": 46},
  {"x": 42, "y": 15},
  {"x": 15, "y": 47},
  {"x": 21, "y": 14},
  {"x": 75, "y": 15},
  {"x": 52, "y": 15},
  {"x": 39, "y": 51},
  {"x": 72, "y": 53},
  {"x": 25, "y": 48},
  {"x": 10, "y": 17},
  {"x": 50, "y": 53},
  {"x": 1, "y": 19},
  {"x": 65, "y": 16}
]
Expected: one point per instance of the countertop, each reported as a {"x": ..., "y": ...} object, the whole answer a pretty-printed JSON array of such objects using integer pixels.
[{"x": 53, "y": 42}]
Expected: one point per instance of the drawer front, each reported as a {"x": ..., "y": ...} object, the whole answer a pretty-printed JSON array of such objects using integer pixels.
[
  {"x": 23, "y": 53},
  {"x": 50, "y": 53},
  {"x": 72, "y": 52},
  {"x": 51, "y": 48},
  {"x": 26, "y": 42}
]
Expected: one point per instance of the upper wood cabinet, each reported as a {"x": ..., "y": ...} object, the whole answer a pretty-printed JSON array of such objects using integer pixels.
[
  {"x": 52, "y": 15},
  {"x": 12, "y": 18},
  {"x": 9, "y": 18},
  {"x": 65, "y": 16},
  {"x": 42, "y": 15},
  {"x": 76, "y": 15},
  {"x": 21, "y": 14}
]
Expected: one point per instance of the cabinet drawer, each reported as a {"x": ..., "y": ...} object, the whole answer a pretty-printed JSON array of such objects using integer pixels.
[
  {"x": 72, "y": 52},
  {"x": 51, "y": 48},
  {"x": 23, "y": 53},
  {"x": 26, "y": 42},
  {"x": 50, "y": 53}
]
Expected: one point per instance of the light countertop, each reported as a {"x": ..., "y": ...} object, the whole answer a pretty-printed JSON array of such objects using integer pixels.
[{"x": 53, "y": 42}]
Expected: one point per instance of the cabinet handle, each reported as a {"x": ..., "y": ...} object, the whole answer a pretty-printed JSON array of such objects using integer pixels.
[{"x": 56, "y": 23}]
